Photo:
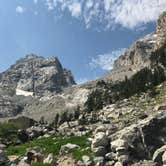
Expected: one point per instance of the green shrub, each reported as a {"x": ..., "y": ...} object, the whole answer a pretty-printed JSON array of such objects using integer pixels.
[{"x": 8, "y": 131}]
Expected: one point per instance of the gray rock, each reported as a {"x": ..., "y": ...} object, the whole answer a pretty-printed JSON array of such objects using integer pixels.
[
  {"x": 86, "y": 160},
  {"x": 8, "y": 108},
  {"x": 100, "y": 139},
  {"x": 118, "y": 164},
  {"x": 2, "y": 146},
  {"x": 99, "y": 151},
  {"x": 110, "y": 163},
  {"x": 35, "y": 154},
  {"x": 98, "y": 161},
  {"x": 50, "y": 160},
  {"x": 157, "y": 156},
  {"x": 164, "y": 158},
  {"x": 110, "y": 156},
  {"x": 3, "y": 158},
  {"x": 68, "y": 148},
  {"x": 119, "y": 144}
]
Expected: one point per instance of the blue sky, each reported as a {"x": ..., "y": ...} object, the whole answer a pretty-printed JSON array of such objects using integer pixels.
[{"x": 86, "y": 35}]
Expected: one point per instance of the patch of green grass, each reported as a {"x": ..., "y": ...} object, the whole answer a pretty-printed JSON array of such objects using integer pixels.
[{"x": 53, "y": 145}]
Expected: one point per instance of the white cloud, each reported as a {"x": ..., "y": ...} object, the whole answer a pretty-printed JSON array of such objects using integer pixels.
[
  {"x": 20, "y": 9},
  {"x": 106, "y": 61},
  {"x": 109, "y": 13},
  {"x": 75, "y": 9}
]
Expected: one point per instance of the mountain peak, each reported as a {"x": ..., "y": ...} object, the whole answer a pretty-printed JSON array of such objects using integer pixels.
[{"x": 36, "y": 74}]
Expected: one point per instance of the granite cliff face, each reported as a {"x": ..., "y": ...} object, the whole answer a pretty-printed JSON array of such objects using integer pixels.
[
  {"x": 37, "y": 75},
  {"x": 146, "y": 52}
]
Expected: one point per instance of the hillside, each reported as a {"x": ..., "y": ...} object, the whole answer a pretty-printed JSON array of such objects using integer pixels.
[{"x": 116, "y": 120}]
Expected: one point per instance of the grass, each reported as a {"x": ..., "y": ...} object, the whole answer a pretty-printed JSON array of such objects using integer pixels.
[
  {"x": 53, "y": 145},
  {"x": 8, "y": 131}
]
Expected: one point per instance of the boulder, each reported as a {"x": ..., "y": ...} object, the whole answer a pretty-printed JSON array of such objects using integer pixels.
[
  {"x": 86, "y": 161},
  {"x": 164, "y": 158},
  {"x": 119, "y": 143},
  {"x": 68, "y": 148},
  {"x": 157, "y": 156},
  {"x": 99, "y": 161},
  {"x": 99, "y": 151},
  {"x": 35, "y": 155},
  {"x": 110, "y": 163},
  {"x": 50, "y": 160},
  {"x": 100, "y": 129},
  {"x": 110, "y": 156},
  {"x": 2, "y": 146},
  {"x": 118, "y": 164},
  {"x": 100, "y": 139},
  {"x": 3, "y": 158}
]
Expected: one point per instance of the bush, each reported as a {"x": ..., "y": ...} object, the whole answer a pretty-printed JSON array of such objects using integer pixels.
[{"x": 8, "y": 131}]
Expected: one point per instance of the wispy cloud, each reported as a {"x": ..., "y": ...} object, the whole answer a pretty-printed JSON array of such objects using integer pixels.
[
  {"x": 109, "y": 13},
  {"x": 105, "y": 61},
  {"x": 20, "y": 9}
]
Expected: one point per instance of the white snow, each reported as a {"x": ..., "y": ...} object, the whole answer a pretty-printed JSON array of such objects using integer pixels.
[{"x": 20, "y": 92}]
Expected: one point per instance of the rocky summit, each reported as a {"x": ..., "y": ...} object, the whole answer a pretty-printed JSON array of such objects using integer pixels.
[
  {"x": 117, "y": 120},
  {"x": 36, "y": 75}
]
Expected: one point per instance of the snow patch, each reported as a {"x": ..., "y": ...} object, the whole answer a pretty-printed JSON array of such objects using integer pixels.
[{"x": 20, "y": 92}]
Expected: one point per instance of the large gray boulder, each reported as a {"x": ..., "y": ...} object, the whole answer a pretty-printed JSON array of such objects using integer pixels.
[{"x": 68, "y": 148}]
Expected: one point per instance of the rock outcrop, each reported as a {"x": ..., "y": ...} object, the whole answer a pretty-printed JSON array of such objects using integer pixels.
[{"x": 141, "y": 53}]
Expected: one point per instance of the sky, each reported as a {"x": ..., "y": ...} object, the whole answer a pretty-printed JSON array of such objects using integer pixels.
[{"x": 86, "y": 35}]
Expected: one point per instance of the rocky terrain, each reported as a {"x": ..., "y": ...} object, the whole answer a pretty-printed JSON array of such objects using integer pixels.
[{"x": 117, "y": 120}]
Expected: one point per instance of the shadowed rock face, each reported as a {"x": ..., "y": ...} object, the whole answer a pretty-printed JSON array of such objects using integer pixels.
[
  {"x": 38, "y": 75},
  {"x": 8, "y": 108}
]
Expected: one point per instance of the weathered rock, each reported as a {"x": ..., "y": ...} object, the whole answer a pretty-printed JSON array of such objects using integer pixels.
[
  {"x": 68, "y": 148},
  {"x": 157, "y": 156},
  {"x": 119, "y": 144},
  {"x": 145, "y": 163},
  {"x": 2, "y": 146},
  {"x": 100, "y": 139},
  {"x": 14, "y": 159},
  {"x": 3, "y": 158},
  {"x": 98, "y": 161},
  {"x": 118, "y": 164},
  {"x": 123, "y": 159},
  {"x": 35, "y": 155},
  {"x": 8, "y": 108},
  {"x": 99, "y": 151},
  {"x": 100, "y": 129},
  {"x": 164, "y": 158},
  {"x": 110, "y": 163},
  {"x": 110, "y": 156},
  {"x": 86, "y": 161},
  {"x": 50, "y": 160}
]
